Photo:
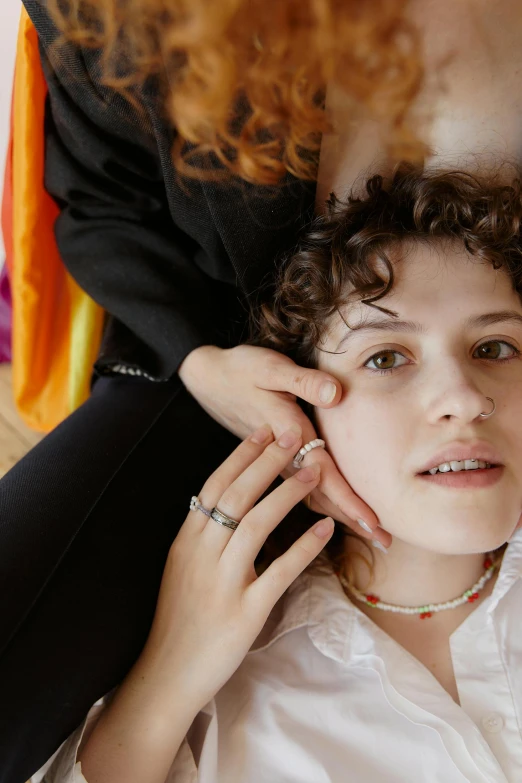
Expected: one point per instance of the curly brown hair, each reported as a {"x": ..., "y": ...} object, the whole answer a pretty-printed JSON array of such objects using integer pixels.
[
  {"x": 268, "y": 63},
  {"x": 335, "y": 263},
  {"x": 336, "y": 260}
]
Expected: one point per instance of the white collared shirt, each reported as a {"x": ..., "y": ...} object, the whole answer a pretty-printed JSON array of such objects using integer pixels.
[{"x": 326, "y": 696}]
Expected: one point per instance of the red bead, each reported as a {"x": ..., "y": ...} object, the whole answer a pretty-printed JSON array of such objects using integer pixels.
[
  {"x": 488, "y": 562},
  {"x": 423, "y": 615},
  {"x": 475, "y": 596},
  {"x": 372, "y": 599}
]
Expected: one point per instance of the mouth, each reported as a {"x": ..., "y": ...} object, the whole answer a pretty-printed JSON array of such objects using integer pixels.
[
  {"x": 464, "y": 466},
  {"x": 455, "y": 466}
]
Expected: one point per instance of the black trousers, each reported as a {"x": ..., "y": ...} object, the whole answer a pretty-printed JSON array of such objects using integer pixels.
[{"x": 86, "y": 522}]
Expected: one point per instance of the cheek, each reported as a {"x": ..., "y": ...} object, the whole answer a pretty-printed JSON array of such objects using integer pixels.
[{"x": 365, "y": 441}]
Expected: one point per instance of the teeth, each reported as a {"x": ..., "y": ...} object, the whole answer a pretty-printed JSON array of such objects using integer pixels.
[{"x": 456, "y": 465}]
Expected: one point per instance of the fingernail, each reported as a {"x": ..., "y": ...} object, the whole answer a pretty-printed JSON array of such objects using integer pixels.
[
  {"x": 379, "y": 546},
  {"x": 309, "y": 473},
  {"x": 327, "y": 392},
  {"x": 290, "y": 437},
  {"x": 262, "y": 434},
  {"x": 364, "y": 526},
  {"x": 323, "y": 528}
]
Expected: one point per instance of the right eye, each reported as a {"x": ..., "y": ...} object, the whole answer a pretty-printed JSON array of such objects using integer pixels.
[{"x": 385, "y": 361}]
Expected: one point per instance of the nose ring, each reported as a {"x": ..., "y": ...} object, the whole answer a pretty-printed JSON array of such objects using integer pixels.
[{"x": 492, "y": 411}]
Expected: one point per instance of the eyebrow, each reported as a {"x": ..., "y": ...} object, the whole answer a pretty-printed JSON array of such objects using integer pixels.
[{"x": 411, "y": 327}]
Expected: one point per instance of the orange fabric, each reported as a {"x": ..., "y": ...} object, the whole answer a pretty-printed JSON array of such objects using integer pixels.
[{"x": 56, "y": 326}]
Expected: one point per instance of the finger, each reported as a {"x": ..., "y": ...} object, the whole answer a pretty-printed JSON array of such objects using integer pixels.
[
  {"x": 241, "y": 495},
  {"x": 256, "y": 526},
  {"x": 242, "y": 456},
  {"x": 278, "y": 577},
  {"x": 341, "y": 502},
  {"x": 339, "y": 492},
  {"x": 286, "y": 414},
  {"x": 318, "y": 502},
  {"x": 354, "y": 511},
  {"x": 315, "y": 386}
]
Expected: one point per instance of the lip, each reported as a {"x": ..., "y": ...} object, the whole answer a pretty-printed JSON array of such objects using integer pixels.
[
  {"x": 461, "y": 450},
  {"x": 465, "y": 479}
]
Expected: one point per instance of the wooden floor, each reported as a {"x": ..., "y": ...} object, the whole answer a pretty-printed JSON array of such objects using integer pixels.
[{"x": 15, "y": 438}]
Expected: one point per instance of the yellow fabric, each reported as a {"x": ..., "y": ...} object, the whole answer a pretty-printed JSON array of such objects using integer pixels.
[{"x": 56, "y": 326}]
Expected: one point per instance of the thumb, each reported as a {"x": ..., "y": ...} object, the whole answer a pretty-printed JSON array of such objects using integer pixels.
[{"x": 315, "y": 386}]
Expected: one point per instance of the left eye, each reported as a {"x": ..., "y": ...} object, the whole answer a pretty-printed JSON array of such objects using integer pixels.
[
  {"x": 495, "y": 349},
  {"x": 386, "y": 360}
]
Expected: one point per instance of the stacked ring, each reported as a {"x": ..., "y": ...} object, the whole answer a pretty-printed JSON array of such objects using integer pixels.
[
  {"x": 222, "y": 519},
  {"x": 215, "y": 514}
]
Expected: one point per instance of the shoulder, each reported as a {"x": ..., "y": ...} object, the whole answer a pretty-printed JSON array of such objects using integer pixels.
[{"x": 75, "y": 81}]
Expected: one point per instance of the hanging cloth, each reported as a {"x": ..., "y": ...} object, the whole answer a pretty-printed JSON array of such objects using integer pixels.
[{"x": 57, "y": 327}]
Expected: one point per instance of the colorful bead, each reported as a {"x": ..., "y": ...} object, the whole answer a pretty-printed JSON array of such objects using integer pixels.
[{"x": 428, "y": 610}]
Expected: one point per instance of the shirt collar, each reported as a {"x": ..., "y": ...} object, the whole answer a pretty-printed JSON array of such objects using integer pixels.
[
  {"x": 510, "y": 571},
  {"x": 319, "y": 602}
]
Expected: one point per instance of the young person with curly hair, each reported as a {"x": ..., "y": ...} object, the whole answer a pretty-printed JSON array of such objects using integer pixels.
[
  {"x": 182, "y": 146},
  {"x": 322, "y": 659}
]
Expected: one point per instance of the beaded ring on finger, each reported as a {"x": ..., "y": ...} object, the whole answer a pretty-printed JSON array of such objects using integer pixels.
[
  {"x": 195, "y": 505},
  {"x": 303, "y": 451}
]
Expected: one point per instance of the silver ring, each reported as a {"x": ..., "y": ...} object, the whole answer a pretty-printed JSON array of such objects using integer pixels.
[
  {"x": 222, "y": 519},
  {"x": 303, "y": 451},
  {"x": 492, "y": 411},
  {"x": 195, "y": 505}
]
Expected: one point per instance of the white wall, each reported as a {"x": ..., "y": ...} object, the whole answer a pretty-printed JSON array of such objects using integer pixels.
[{"x": 9, "y": 16}]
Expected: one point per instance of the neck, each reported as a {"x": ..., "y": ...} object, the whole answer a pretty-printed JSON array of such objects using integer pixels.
[{"x": 410, "y": 576}]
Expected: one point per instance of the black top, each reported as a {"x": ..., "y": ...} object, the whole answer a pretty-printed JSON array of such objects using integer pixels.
[{"x": 176, "y": 265}]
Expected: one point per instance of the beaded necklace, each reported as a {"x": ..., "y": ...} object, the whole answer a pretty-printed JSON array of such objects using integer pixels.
[{"x": 468, "y": 596}]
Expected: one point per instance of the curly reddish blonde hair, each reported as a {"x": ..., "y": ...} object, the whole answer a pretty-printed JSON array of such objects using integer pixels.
[
  {"x": 335, "y": 263},
  {"x": 270, "y": 60}
]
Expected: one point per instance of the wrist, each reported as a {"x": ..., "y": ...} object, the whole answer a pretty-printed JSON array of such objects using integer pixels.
[
  {"x": 169, "y": 683},
  {"x": 195, "y": 365}
]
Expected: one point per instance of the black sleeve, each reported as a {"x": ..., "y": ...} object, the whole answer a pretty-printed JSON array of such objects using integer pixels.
[{"x": 115, "y": 232}]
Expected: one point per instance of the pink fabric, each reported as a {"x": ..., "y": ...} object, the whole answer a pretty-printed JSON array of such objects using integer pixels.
[{"x": 5, "y": 317}]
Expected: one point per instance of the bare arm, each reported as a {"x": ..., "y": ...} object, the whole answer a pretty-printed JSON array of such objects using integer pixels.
[
  {"x": 211, "y": 608},
  {"x": 139, "y": 734}
]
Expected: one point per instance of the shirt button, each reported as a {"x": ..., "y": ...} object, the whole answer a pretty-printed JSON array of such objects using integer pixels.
[{"x": 493, "y": 723}]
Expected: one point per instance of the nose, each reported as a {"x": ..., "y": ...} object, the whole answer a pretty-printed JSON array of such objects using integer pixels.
[{"x": 456, "y": 397}]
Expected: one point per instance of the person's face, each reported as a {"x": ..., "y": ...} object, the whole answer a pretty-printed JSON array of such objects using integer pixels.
[{"x": 413, "y": 388}]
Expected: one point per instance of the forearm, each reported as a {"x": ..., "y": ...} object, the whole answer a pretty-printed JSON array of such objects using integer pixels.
[{"x": 139, "y": 734}]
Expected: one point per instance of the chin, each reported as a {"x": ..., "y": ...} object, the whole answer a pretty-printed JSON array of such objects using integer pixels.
[{"x": 460, "y": 537}]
